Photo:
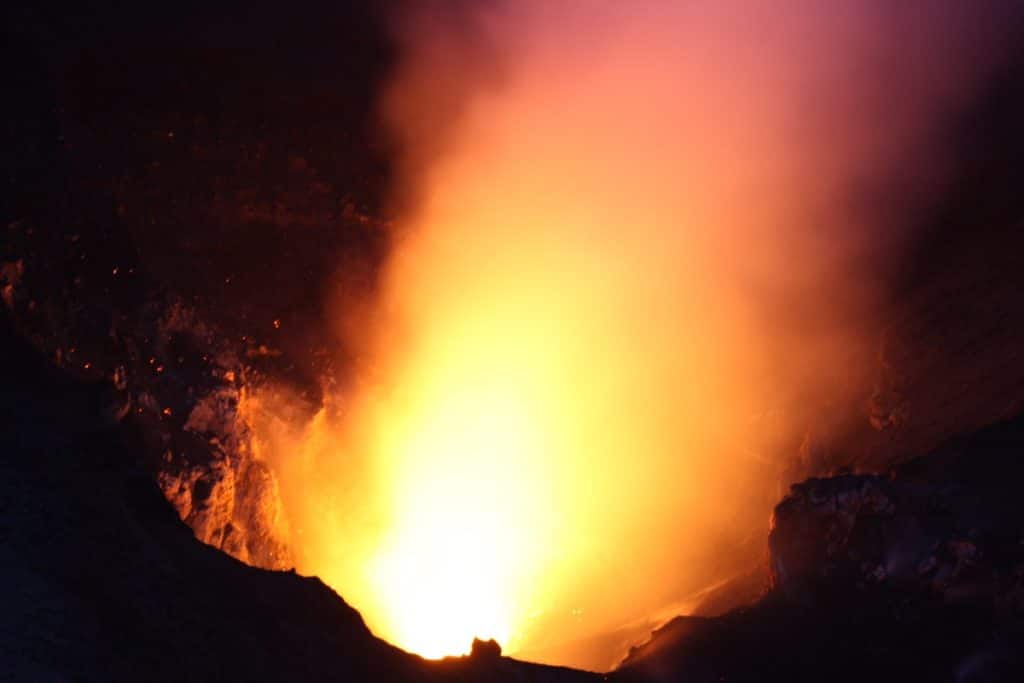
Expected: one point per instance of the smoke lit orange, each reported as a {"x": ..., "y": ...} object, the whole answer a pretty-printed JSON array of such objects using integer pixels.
[{"x": 623, "y": 278}]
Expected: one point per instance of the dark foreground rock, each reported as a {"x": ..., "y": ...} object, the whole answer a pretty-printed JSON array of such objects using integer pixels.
[
  {"x": 917, "y": 574},
  {"x": 101, "y": 581}
]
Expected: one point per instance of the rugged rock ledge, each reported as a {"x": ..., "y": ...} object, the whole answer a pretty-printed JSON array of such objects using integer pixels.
[{"x": 917, "y": 574}]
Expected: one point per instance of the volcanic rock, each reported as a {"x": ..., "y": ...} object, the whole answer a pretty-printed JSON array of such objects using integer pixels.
[
  {"x": 158, "y": 364},
  {"x": 947, "y": 525},
  {"x": 911, "y": 575},
  {"x": 485, "y": 650}
]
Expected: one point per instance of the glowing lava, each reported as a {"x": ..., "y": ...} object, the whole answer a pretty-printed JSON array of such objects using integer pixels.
[{"x": 459, "y": 558}]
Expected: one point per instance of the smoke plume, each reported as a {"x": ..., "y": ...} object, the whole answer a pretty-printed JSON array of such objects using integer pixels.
[{"x": 640, "y": 248}]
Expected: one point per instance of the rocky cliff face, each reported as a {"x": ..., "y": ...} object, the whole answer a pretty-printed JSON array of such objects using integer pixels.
[
  {"x": 163, "y": 369},
  {"x": 917, "y": 574},
  {"x": 171, "y": 224},
  {"x": 948, "y": 526}
]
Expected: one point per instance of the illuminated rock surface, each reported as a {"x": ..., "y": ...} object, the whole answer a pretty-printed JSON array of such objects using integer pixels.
[{"x": 914, "y": 575}]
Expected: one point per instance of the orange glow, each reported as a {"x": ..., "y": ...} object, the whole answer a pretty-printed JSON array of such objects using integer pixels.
[{"x": 624, "y": 283}]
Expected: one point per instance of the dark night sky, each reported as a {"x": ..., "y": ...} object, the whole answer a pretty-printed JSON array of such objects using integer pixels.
[{"x": 100, "y": 69}]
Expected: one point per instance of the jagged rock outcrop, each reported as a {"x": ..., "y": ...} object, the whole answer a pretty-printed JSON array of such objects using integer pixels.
[
  {"x": 948, "y": 526},
  {"x": 160, "y": 366},
  {"x": 916, "y": 574}
]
